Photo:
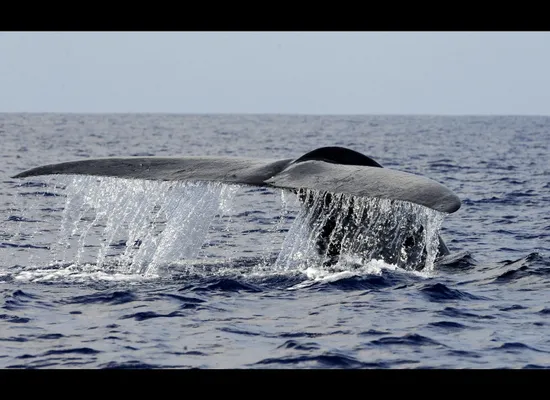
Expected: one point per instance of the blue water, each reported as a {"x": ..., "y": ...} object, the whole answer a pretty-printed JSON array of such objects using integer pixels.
[{"x": 102, "y": 273}]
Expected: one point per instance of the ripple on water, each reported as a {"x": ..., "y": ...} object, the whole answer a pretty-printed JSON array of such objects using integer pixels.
[
  {"x": 448, "y": 325},
  {"x": 410, "y": 339},
  {"x": 439, "y": 292},
  {"x": 14, "y": 319},
  {"x": 296, "y": 345},
  {"x": 146, "y": 315},
  {"x": 113, "y": 297},
  {"x": 325, "y": 360}
]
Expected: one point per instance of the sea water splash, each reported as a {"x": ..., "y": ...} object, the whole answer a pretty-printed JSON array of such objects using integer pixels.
[
  {"x": 338, "y": 231},
  {"x": 122, "y": 228},
  {"x": 137, "y": 225}
]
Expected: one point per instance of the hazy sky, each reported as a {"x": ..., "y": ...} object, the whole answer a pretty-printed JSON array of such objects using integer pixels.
[{"x": 276, "y": 72}]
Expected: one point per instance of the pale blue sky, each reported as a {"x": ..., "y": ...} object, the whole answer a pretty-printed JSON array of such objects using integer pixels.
[{"x": 276, "y": 72}]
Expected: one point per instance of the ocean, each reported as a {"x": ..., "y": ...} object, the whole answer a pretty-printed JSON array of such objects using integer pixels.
[{"x": 110, "y": 273}]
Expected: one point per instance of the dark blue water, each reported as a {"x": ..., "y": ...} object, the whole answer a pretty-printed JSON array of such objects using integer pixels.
[{"x": 107, "y": 273}]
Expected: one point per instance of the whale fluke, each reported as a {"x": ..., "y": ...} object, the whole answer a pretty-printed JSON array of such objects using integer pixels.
[{"x": 326, "y": 169}]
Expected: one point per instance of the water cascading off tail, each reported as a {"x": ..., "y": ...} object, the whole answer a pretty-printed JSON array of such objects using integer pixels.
[
  {"x": 137, "y": 225},
  {"x": 359, "y": 230}
]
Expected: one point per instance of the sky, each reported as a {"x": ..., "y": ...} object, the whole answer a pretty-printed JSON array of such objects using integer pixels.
[{"x": 443, "y": 73}]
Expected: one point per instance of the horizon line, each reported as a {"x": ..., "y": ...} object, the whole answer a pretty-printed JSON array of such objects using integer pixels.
[{"x": 278, "y": 113}]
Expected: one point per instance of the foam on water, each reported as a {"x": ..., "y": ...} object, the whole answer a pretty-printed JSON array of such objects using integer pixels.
[{"x": 346, "y": 270}]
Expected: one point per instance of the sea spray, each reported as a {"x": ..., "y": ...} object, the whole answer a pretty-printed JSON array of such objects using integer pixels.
[
  {"x": 333, "y": 227},
  {"x": 137, "y": 225}
]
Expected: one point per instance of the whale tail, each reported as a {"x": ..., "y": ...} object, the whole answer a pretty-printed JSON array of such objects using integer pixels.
[
  {"x": 329, "y": 171},
  {"x": 326, "y": 169}
]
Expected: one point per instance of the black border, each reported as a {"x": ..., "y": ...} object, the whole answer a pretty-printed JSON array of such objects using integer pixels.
[{"x": 272, "y": 16}]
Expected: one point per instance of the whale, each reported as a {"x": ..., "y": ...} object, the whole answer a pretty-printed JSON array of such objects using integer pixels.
[{"x": 328, "y": 171}]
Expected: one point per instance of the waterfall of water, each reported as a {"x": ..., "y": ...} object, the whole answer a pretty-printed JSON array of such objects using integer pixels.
[
  {"x": 335, "y": 227},
  {"x": 137, "y": 225}
]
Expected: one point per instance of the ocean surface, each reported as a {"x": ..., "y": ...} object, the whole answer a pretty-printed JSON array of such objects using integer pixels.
[{"x": 106, "y": 273}]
